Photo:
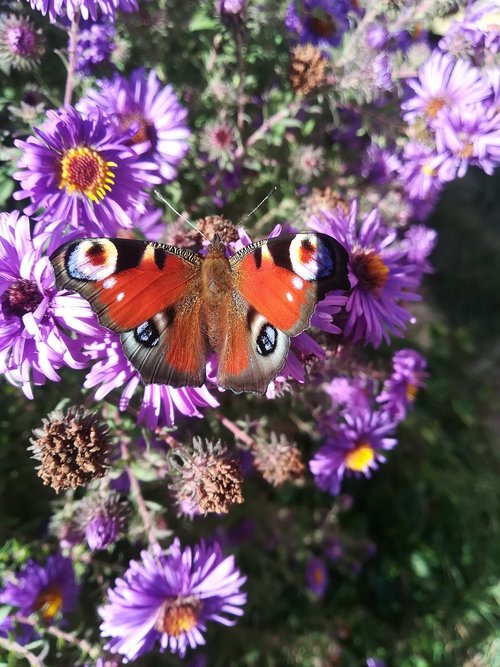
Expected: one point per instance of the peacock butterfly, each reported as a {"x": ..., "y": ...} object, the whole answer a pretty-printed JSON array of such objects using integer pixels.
[{"x": 172, "y": 306}]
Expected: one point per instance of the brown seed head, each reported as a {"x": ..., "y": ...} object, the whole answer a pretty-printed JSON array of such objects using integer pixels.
[
  {"x": 72, "y": 447},
  {"x": 278, "y": 461},
  {"x": 206, "y": 477},
  {"x": 325, "y": 199},
  {"x": 307, "y": 69}
]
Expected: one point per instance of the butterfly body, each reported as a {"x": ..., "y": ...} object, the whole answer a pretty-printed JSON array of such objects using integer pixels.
[{"x": 173, "y": 307}]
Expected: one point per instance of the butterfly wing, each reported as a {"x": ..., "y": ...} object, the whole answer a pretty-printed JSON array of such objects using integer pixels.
[
  {"x": 278, "y": 283},
  {"x": 283, "y": 278},
  {"x": 148, "y": 293}
]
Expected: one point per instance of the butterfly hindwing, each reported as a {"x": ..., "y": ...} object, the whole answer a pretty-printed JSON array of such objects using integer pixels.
[
  {"x": 254, "y": 350},
  {"x": 171, "y": 348},
  {"x": 126, "y": 281},
  {"x": 283, "y": 278}
]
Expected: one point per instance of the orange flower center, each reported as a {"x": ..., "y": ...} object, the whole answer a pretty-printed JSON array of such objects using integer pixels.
[
  {"x": 370, "y": 270},
  {"x": 466, "y": 151},
  {"x": 411, "y": 392},
  {"x": 433, "y": 106},
  {"x": 360, "y": 458},
  {"x": 84, "y": 171},
  {"x": 178, "y": 616},
  {"x": 318, "y": 575},
  {"x": 140, "y": 122},
  {"x": 322, "y": 24},
  {"x": 49, "y": 602}
]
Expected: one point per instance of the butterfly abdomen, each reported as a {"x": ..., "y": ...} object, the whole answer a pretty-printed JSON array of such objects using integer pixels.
[{"x": 217, "y": 283}]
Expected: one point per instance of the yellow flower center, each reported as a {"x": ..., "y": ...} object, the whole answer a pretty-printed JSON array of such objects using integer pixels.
[
  {"x": 370, "y": 270},
  {"x": 84, "y": 171},
  {"x": 411, "y": 392},
  {"x": 428, "y": 170},
  {"x": 360, "y": 458},
  {"x": 178, "y": 616},
  {"x": 49, "y": 602},
  {"x": 433, "y": 106}
]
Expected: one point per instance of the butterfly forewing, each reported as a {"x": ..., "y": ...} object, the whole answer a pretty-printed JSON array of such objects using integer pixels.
[
  {"x": 126, "y": 281},
  {"x": 284, "y": 277}
]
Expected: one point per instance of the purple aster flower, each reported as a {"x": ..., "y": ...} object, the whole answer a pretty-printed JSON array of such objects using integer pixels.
[
  {"x": 419, "y": 242},
  {"x": 375, "y": 662},
  {"x": 95, "y": 46},
  {"x": 377, "y": 36},
  {"x": 468, "y": 136},
  {"x": 35, "y": 317},
  {"x": 48, "y": 590},
  {"x": 21, "y": 43},
  {"x": 477, "y": 35},
  {"x": 317, "y": 576},
  {"x": 103, "y": 520},
  {"x": 149, "y": 225},
  {"x": 420, "y": 172},
  {"x": 86, "y": 8},
  {"x": 400, "y": 389},
  {"x": 318, "y": 22},
  {"x": 379, "y": 275},
  {"x": 79, "y": 170},
  {"x": 351, "y": 394},
  {"x": 170, "y": 598},
  {"x": 444, "y": 83},
  {"x": 230, "y": 7},
  {"x": 379, "y": 164},
  {"x": 149, "y": 110},
  {"x": 160, "y": 403},
  {"x": 354, "y": 448}
]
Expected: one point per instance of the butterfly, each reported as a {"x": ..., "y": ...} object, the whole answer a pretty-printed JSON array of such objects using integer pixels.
[{"x": 172, "y": 307}]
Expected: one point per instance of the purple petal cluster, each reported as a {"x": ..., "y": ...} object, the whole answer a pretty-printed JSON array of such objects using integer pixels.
[
  {"x": 319, "y": 22},
  {"x": 36, "y": 318},
  {"x": 95, "y": 46},
  {"x": 355, "y": 447},
  {"x": 453, "y": 109},
  {"x": 168, "y": 599},
  {"x": 317, "y": 576},
  {"x": 159, "y": 404},
  {"x": 477, "y": 35},
  {"x": 400, "y": 389},
  {"x": 86, "y": 8},
  {"x": 49, "y": 590},
  {"x": 149, "y": 111},
  {"x": 380, "y": 274},
  {"x": 81, "y": 170}
]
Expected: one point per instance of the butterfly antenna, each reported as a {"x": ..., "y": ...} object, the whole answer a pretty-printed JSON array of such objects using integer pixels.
[
  {"x": 258, "y": 205},
  {"x": 159, "y": 196}
]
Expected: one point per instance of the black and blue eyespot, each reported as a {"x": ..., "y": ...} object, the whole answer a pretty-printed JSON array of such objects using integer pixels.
[
  {"x": 147, "y": 334},
  {"x": 267, "y": 340}
]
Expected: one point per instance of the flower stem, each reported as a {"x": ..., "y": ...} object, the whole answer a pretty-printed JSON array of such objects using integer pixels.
[
  {"x": 73, "y": 43},
  {"x": 68, "y": 637},
  {"x": 13, "y": 647},
  {"x": 236, "y": 430},
  {"x": 141, "y": 504}
]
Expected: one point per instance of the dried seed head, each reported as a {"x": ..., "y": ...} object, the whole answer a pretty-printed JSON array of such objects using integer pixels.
[
  {"x": 307, "y": 68},
  {"x": 72, "y": 447},
  {"x": 325, "y": 200},
  {"x": 278, "y": 461},
  {"x": 206, "y": 477},
  {"x": 216, "y": 224}
]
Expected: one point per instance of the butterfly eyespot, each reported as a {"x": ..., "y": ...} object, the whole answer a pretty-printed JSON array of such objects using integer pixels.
[
  {"x": 91, "y": 259},
  {"x": 267, "y": 340},
  {"x": 147, "y": 334},
  {"x": 311, "y": 258}
]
